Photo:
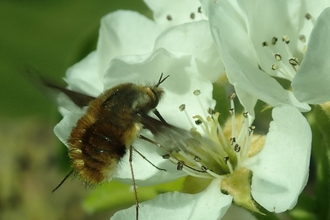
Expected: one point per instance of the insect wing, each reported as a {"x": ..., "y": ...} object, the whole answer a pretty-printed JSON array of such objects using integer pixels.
[
  {"x": 41, "y": 82},
  {"x": 171, "y": 138}
]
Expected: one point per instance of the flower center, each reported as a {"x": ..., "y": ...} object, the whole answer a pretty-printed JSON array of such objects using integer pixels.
[
  {"x": 287, "y": 53},
  {"x": 213, "y": 151}
]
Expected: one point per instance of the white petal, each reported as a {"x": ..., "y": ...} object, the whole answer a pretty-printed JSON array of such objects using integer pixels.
[
  {"x": 125, "y": 33},
  {"x": 179, "y": 87},
  {"x": 85, "y": 77},
  {"x": 63, "y": 129},
  {"x": 312, "y": 81},
  {"x": 180, "y": 11},
  {"x": 280, "y": 170},
  {"x": 241, "y": 60},
  {"x": 195, "y": 39},
  {"x": 209, "y": 204}
]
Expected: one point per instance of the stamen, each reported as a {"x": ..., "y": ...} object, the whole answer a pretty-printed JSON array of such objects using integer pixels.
[
  {"x": 248, "y": 143},
  {"x": 302, "y": 38},
  {"x": 182, "y": 108},
  {"x": 294, "y": 61},
  {"x": 211, "y": 111},
  {"x": 278, "y": 57},
  {"x": 198, "y": 122},
  {"x": 192, "y": 15},
  {"x": 308, "y": 16},
  {"x": 286, "y": 39},
  {"x": 197, "y": 159},
  {"x": 232, "y": 112},
  {"x": 169, "y": 17},
  {"x": 232, "y": 140},
  {"x": 204, "y": 168},
  {"x": 237, "y": 148},
  {"x": 230, "y": 167},
  {"x": 274, "y": 40},
  {"x": 275, "y": 66},
  {"x": 245, "y": 114},
  {"x": 166, "y": 156},
  {"x": 180, "y": 165},
  {"x": 197, "y": 92},
  {"x": 251, "y": 129}
]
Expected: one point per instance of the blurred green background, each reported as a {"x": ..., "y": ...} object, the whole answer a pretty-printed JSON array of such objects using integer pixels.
[{"x": 51, "y": 36}]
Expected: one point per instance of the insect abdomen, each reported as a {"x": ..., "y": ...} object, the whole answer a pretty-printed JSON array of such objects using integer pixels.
[{"x": 95, "y": 150}]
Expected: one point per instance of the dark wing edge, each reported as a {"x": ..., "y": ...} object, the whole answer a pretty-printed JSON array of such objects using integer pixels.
[{"x": 42, "y": 82}]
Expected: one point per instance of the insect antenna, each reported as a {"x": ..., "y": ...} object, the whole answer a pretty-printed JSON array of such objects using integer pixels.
[
  {"x": 60, "y": 184},
  {"x": 161, "y": 79}
]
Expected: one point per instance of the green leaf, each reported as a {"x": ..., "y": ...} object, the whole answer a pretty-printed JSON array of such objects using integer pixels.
[
  {"x": 115, "y": 195},
  {"x": 320, "y": 124}
]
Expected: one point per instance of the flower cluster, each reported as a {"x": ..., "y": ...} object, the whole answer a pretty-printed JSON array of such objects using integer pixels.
[{"x": 262, "y": 47}]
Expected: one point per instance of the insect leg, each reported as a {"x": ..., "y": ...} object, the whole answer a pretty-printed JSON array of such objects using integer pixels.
[
  {"x": 134, "y": 184},
  {"x": 67, "y": 176},
  {"x": 147, "y": 159}
]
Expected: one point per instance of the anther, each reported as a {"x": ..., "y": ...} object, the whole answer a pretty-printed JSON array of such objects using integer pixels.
[
  {"x": 237, "y": 148},
  {"x": 294, "y": 61},
  {"x": 198, "y": 122},
  {"x": 231, "y": 111},
  {"x": 192, "y": 15},
  {"x": 308, "y": 16},
  {"x": 251, "y": 128},
  {"x": 203, "y": 168},
  {"x": 264, "y": 44},
  {"x": 197, "y": 92},
  {"x": 302, "y": 38},
  {"x": 278, "y": 56},
  {"x": 197, "y": 159},
  {"x": 274, "y": 40},
  {"x": 275, "y": 66},
  {"x": 245, "y": 114},
  {"x": 286, "y": 39},
  {"x": 169, "y": 17},
  {"x": 182, "y": 107},
  {"x": 226, "y": 159},
  {"x": 180, "y": 165},
  {"x": 211, "y": 111},
  {"x": 232, "y": 140},
  {"x": 199, "y": 9},
  {"x": 166, "y": 156}
]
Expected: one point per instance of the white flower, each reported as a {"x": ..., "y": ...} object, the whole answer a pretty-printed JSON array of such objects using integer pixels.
[
  {"x": 133, "y": 48},
  {"x": 263, "y": 41},
  {"x": 233, "y": 165}
]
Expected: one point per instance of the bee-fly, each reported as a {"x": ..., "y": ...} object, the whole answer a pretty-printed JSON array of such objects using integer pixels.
[{"x": 104, "y": 134}]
